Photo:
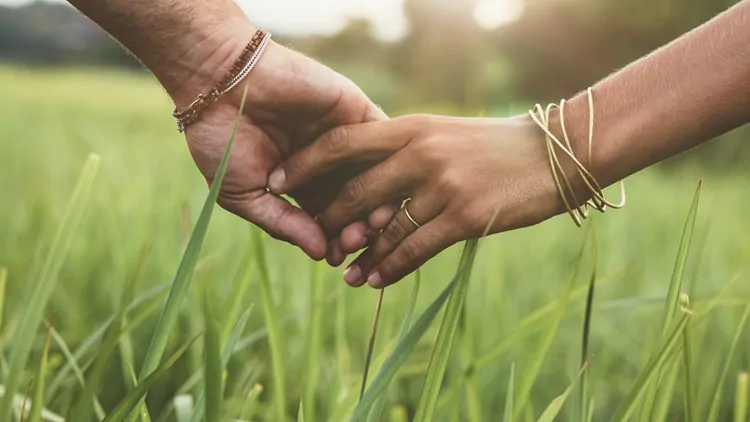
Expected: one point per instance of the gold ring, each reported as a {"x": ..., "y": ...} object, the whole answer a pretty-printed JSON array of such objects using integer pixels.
[{"x": 406, "y": 211}]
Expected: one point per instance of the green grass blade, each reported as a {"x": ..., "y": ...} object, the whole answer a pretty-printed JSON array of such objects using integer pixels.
[
  {"x": 580, "y": 409},
  {"x": 226, "y": 354},
  {"x": 371, "y": 343},
  {"x": 131, "y": 400},
  {"x": 275, "y": 339},
  {"x": 178, "y": 292},
  {"x": 314, "y": 343},
  {"x": 627, "y": 406},
  {"x": 509, "y": 399},
  {"x": 673, "y": 294},
  {"x": 442, "y": 349},
  {"x": 94, "y": 338},
  {"x": 713, "y": 413},
  {"x": 376, "y": 412},
  {"x": 404, "y": 347},
  {"x": 42, "y": 288},
  {"x": 551, "y": 412},
  {"x": 666, "y": 392},
  {"x": 37, "y": 403},
  {"x": 740, "y": 398},
  {"x": 531, "y": 372},
  {"x": 675, "y": 285},
  {"x": 301, "y": 412},
  {"x": 233, "y": 303},
  {"x": 81, "y": 411},
  {"x": 687, "y": 367},
  {"x": 213, "y": 370},
  {"x": 3, "y": 280}
]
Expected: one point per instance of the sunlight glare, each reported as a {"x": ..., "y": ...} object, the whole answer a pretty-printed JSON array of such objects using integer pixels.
[{"x": 491, "y": 14}]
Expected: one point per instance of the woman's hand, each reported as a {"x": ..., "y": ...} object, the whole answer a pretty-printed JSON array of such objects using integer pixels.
[{"x": 457, "y": 172}]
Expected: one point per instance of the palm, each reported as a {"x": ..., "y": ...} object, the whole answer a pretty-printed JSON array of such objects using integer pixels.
[{"x": 291, "y": 101}]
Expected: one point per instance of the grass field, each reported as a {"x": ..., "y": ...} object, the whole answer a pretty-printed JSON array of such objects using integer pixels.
[{"x": 518, "y": 311}]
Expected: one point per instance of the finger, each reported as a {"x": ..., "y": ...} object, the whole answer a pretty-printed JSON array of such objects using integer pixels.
[
  {"x": 400, "y": 227},
  {"x": 382, "y": 184},
  {"x": 345, "y": 144},
  {"x": 413, "y": 252},
  {"x": 354, "y": 237},
  {"x": 335, "y": 256},
  {"x": 382, "y": 215},
  {"x": 279, "y": 219}
]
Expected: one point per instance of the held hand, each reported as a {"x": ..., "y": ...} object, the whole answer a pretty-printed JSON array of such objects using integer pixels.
[
  {"x": 457, "y": 172},
  {"x": 291, "y": 100}
]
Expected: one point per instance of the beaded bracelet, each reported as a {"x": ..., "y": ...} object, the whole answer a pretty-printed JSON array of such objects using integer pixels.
[{"x": 241, "y": 68}]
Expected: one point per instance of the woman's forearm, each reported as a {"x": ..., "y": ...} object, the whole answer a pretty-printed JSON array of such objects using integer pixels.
[
  {"x": 681, "y": 95},
  {"x": 187, "y": 44}
]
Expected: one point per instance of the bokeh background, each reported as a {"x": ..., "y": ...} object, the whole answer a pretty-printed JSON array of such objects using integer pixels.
[{"x": 66, "y": 90}]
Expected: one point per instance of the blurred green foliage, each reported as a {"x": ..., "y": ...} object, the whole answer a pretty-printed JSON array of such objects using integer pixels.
[{"x": 446, "y": 63}]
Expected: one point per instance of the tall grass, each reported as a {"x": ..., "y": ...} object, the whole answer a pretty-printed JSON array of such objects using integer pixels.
[{"x": 500, "y": 353}]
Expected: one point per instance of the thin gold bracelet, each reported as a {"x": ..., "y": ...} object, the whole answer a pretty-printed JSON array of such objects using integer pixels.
[{"x": 577, "y": 211}]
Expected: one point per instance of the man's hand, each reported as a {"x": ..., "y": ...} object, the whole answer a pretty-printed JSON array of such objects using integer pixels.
[
  {"x": 291, "y": 101},
  {"x": 189, "y": 46}
]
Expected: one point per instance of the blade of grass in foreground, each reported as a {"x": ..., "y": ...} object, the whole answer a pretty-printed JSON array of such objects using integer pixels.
[
  {"x": 131, "y": 400},
  {"x": 177, "y": 293},
  {"x": 713, "y": 414},
  {"x": 673, "y": 294},
  {"x": 687, "y": 365},
  {"x": 313, "y": 340},
  {"x": 446, "y": 336},
  {"x": 376, "y": 412},
  {"x": 213, "y": 370},
  {"x": 82, "y": 409},
  {"x": 301, "y": 413},
  {"x": 508, "y": 416},
  {"x": 442, "y": 349},
  {"x": 551, "y": 412},
  {"x": 271, "y": 319},
  {"x": 740, "y": 398},
  {"x": 37, "y": 403},
  {"x": 3, "y": 280},
  {"x": 530, "y": 374},
  {"x": 627, "y": 406},
  {"x": 580, "y": 409},
  {"x": 404, "y": 347},
  {"x": 371, "y": 344},
  {"x": 226, "y": 354},
  {"x": 32, "y": 312}
]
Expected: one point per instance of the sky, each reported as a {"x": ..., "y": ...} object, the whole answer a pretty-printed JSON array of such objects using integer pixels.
[{"x": 304, "y": 17}]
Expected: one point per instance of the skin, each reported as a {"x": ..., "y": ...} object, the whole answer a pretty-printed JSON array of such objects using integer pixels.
[
  {"x": 458, "y": 172},
  {"x": 189, "y": 45}
]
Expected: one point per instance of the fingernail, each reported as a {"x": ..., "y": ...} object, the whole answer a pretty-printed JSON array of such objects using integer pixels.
[
  {"x": 276, "y": 179},
  {"x": 364, "y": 243},
  {"x": 374, "y": 280},
  {"x": 353, "y": 275}
]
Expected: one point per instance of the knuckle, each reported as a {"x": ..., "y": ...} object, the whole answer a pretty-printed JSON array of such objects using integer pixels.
[
  {"x": 395, "y": 231},
  {"x": 338, "y": 140},
  {"x": 410, "y": 252},
  {"x": 352, "y": 192}
]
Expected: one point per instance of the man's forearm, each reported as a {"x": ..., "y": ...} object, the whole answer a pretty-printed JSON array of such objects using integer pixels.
[
  {"x": 185, "y": 43},
  {"x": 685, "y": 93}
]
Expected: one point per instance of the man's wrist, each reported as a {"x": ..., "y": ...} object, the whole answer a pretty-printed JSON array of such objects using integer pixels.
[{"x": 204, "y": 63}]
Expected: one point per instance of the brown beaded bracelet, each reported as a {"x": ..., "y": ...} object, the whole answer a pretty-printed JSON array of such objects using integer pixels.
[{"x": 240, "y": 69}]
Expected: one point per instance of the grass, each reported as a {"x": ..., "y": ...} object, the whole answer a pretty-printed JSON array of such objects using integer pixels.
[{"x": 301, "y": 353}]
